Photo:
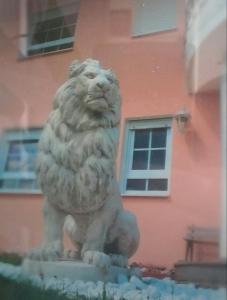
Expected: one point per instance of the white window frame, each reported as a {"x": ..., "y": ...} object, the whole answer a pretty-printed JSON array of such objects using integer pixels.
[
  {"x": 146, "y": 20},
  {"x": 5, "y": 139},
  {"x": 128, "y": 173},
  {"x": 25, "y": 36}
]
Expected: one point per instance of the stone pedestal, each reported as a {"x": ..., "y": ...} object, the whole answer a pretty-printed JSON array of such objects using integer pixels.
[
  {"x": 74, "y": 270},
  {"x": 207, "y": 274}
]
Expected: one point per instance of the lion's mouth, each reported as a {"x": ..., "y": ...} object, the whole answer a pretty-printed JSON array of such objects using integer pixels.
[{"x": 98, "y": 103}]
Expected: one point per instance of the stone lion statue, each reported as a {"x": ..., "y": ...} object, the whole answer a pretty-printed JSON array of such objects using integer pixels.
[{"x": 76, "y": 171}]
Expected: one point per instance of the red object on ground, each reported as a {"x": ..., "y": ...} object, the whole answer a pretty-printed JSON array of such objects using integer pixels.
[{"x": 151, "y": 270}]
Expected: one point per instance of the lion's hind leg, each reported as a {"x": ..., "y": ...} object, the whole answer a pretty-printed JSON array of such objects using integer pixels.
[{"x": 126, "y": 239}]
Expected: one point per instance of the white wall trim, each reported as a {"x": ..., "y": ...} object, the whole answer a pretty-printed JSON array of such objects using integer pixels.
[{"x": 223, "y": 113}]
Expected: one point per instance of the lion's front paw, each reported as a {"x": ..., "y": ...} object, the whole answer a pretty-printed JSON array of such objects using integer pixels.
[
  {"x": 51, "y": 251},
  {"x": 119, "y": 260},
  {"x": 99, "y": 259},
  {"x": 71, "y": 254}
]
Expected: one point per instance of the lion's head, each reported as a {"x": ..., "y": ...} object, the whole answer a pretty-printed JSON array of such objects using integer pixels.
[{"x": 91, "y": 94}]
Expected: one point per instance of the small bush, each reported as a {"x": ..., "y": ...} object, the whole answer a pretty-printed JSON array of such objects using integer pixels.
[
  {"x": 12, "y": 290},
  {"x": 11, "y": 258}
]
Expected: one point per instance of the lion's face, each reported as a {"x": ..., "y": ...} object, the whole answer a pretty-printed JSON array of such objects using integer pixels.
[
  {"x": 90, "y": 97},
  {"x": 98, "y": 87}
]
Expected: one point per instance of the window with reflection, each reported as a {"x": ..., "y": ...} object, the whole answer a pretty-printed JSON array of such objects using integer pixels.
[
  {"x": 147, "y": 156},
  {"x": 18, "y": 161},
  {"x": 51, "y": 27}
]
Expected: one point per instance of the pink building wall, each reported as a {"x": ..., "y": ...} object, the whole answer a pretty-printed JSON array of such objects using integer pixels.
[{"x": 153, "y": 83}]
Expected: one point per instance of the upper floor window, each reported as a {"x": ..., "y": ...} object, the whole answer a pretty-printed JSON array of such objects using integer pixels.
[
  {"x": 51, "y": 27},
  {"x": 146, "y": 158},
  {"x": 152, "y": 16},
  {"x": 18, "y": 150}
]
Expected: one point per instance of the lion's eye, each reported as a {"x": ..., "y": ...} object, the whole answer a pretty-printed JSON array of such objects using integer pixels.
[
  {"x": 90, "y": 75},
  {"x": 111, "y": 80}
]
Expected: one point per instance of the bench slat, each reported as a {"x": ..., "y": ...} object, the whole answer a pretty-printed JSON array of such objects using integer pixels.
[{"x": 201, "y": 234}]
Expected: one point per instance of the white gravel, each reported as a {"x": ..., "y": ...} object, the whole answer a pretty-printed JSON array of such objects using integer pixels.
[{"x": 134, "y": 289}]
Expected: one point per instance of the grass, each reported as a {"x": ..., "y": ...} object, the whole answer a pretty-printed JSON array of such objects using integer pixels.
[
  {"x": 13, "y": 290},
  {"x": 11, "y": 258}
]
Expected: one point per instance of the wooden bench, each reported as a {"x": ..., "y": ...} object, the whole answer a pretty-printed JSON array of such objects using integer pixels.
[{"x": 199, "y": 235}]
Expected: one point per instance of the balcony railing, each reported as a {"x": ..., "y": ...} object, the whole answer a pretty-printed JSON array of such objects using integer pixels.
[
  {"x": 202, "y": 17},
  {"x": 205, "y": 28}
]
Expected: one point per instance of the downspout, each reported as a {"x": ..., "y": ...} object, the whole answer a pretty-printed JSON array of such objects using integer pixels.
[
  {"x": 223, "y": 163},
  {"x": 23, "y": 28}
]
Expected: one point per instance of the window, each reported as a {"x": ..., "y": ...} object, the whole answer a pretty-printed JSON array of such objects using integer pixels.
[
  {"x": 18, "y": 150},
  {"x": 146, "y": 158},
  {"x": 50, "y": 27},
  {"x": 152, "y": 16}
]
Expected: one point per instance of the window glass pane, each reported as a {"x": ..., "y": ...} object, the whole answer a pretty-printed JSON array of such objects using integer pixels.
[
  {"x": 14, "y": 148},
  {"x": 67, "y": 31},
  {"x": 8, "y": 183},
  {"x": 49, "y": 14},
  {"x": 31, "y": 164},
  {"x": 136, "y": 184},
  {"x": 140, "y": 160},
  {"x": 25, "y": 184},
  {"x": 13, "y": 164},
  {"x": 21, "y": 156},
  {"x": 22, "y": 164},
  {"x": 70, "y": 19},
  {"x": 40, "y": 27},
  {"x": 158, "y": 185},
  {"x": 159, "y": 137},
  {"x": 45, "y": 25},
  {"x": 31, "y": 147},
  {"x": 36, "y": 185},
  {"x": 39, "y": 38},
  {"x": 14, "y": 157},
  {"x": 141, "y": 139},
  {"x": 57, "y": 22},
  {"x": 157, "y": 161},
  {"x": 53, "y": 34},
  {"x": 22, "y": 184}
]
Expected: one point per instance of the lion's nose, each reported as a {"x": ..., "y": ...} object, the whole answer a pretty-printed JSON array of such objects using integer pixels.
[{"x": 103, "y": 85}]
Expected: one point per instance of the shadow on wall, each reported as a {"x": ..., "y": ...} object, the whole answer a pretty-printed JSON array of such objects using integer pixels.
[
  {"x": 12, "y": 115},
  {"x": 208, "y": 110},
  {"x": 195, "y": 144}
]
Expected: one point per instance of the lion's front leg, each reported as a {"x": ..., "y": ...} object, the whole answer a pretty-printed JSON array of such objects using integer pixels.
[
  {"x": 52, "y": 247},
  {"x": 92, "y": 251}
]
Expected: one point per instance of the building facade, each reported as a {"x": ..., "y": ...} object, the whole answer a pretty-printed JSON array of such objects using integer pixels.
[
  {"x": 170, "y": 177},
  {"x": 206, "y": 73}
]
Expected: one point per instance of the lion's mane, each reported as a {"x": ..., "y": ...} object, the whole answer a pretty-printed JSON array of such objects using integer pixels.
[{"x": 76, "y": 161}]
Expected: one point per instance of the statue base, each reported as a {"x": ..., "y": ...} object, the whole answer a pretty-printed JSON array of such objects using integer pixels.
[{"x": 74, "y": 270}]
